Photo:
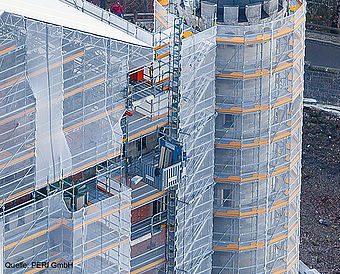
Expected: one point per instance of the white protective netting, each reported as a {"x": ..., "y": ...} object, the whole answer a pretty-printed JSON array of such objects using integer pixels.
[
  {"x": 195, "y": 191},
  {"x": 259, "y": 86}
]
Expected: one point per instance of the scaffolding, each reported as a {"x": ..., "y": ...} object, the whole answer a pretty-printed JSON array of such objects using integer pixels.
[
  {"x": 259, "y": 85},
  {"x": 112, "y": 19},
  {"x": 63, "y": 199},
  {"x": 95, "y": 238},
  {"x": 93, "y": 128},
  {"x": 197, "y": 115}
]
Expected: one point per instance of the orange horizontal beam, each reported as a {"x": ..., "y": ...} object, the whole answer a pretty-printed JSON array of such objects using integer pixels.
[
  {"x": 261, "y": 38},
  {"x": 234, "y": 40},
  {"x": 80, "y": 89},
  {"x": 104, "y": 190},
  {"x": 139, "y": 270},
  {"x": 16, "y": 79},
  {"x": 134, "y": 136},
  {"x": 66, "y": 95},
  {"x": 18, "y": 115},
  {"x": 94, "y": 118},
  {"x": 261, "y": 176},
  {"x": 260, "y": 73},
  {"x": 262, "y": 107},
  {"x": 2, "y": 50},
  {"x": 102, "y": 216},
  {"x": 151, "y": 197},
  {"x": 102, "y": 159},
  {"x": 17, "y": 160},
  {"x": 26, "y": 239},
  {"x": 257, "y": 210},
  {"x": 259, "y": 244},
  {"x": 257, "y": 142},
  {"x": 42, "y": 232},
  {"x": 19, "y": 194},
  {"x": 238, "y": 110},
  {"x": 163, "y": 80},
  {"x": 280, "y": 270},
  {"x": 162, "y": 55},
  {"x": 160, "y": 116},
  {"x": 239, "y": 144},
  {"x": 26, "y": 156},
  {"x": 102, "y": 250},
  {"x": 162, "y": 46}
]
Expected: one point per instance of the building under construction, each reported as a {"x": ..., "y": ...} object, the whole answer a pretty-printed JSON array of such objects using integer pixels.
[{"x": 172, "y": 151}]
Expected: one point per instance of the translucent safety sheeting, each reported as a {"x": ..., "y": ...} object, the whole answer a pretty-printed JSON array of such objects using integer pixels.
[
  {"x": 259, "y": 86},
  {"x": 163, "y": 19},
  {"x": 61, "y": 101},
  {"x": 44, "y": 48},
  {"x": 33, "y": 233},
  {"x": 95, "y": 239},
  {"x": 101, "y": 235},
  {"x": 195, "y": 192},
  {"x": 94, "y": 85},
  {"x": 17, "y": 111}
]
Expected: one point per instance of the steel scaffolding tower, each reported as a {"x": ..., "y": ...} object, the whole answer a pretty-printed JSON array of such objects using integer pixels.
[
  {"x": 177, "y": 150},
  {"x": 175, "y": 73}
]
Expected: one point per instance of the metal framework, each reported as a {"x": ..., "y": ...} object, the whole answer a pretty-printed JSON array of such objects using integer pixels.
[
  {"x": 197, "y": 115},
  {"x": 174, "y": 109},
  {"x": 62, "y": 96},
  {"x": 88, "y": 122},
  {"x": 259, "y": 84}
]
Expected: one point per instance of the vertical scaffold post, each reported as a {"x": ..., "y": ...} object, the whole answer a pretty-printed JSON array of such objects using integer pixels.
[{"x": 174, "y": 108}]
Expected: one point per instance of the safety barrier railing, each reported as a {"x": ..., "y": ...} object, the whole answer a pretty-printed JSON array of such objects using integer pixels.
[
  {"x": 112, "y": 19},
  {"x": 161, "y": 178}
]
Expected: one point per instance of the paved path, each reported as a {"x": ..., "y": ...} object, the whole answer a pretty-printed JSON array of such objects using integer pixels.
[{"x": 322, "y": 54}]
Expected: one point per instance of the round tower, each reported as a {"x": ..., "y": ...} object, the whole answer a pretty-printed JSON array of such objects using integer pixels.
[{"x": 259, "y": 91}]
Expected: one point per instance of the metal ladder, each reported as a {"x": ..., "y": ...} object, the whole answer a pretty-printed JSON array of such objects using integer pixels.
[
  {"x": 175, "y": 69},
  {"x": 173, "y": 119},
  {"x": 124, "y": 126}
]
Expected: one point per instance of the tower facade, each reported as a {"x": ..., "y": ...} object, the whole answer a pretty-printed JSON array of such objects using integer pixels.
[{"x": 259, "y": 90}]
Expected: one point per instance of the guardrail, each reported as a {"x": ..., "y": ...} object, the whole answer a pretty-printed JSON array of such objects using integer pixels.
[
  {"x": 112, "y": 19},
  {"x": 161, "y": 178}
]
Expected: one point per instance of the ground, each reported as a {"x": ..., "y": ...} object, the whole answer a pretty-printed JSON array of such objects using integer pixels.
[{"x": 320, "y": 198}]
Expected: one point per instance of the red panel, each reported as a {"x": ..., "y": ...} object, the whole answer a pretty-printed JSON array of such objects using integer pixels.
[
  {"x": 138, "y": 75},
  {"x": 77, "y": 177},
  {"x": 140, "y": 214},
  {"x": 18, "y": 201},
  {"x": 149, "y": 244}
]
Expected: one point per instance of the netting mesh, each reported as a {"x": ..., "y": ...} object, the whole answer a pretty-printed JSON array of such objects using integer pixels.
[
  {"x": 95, "y": 239},
  {"x": 163, "y": 19},
  {"x": 259, "y": 89},
  {"x": 195, "y": 192},
  {"x": 65, "y": 115},
  {"x": 62, "y": 98},
  {"x": 101, "y": 235}
]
